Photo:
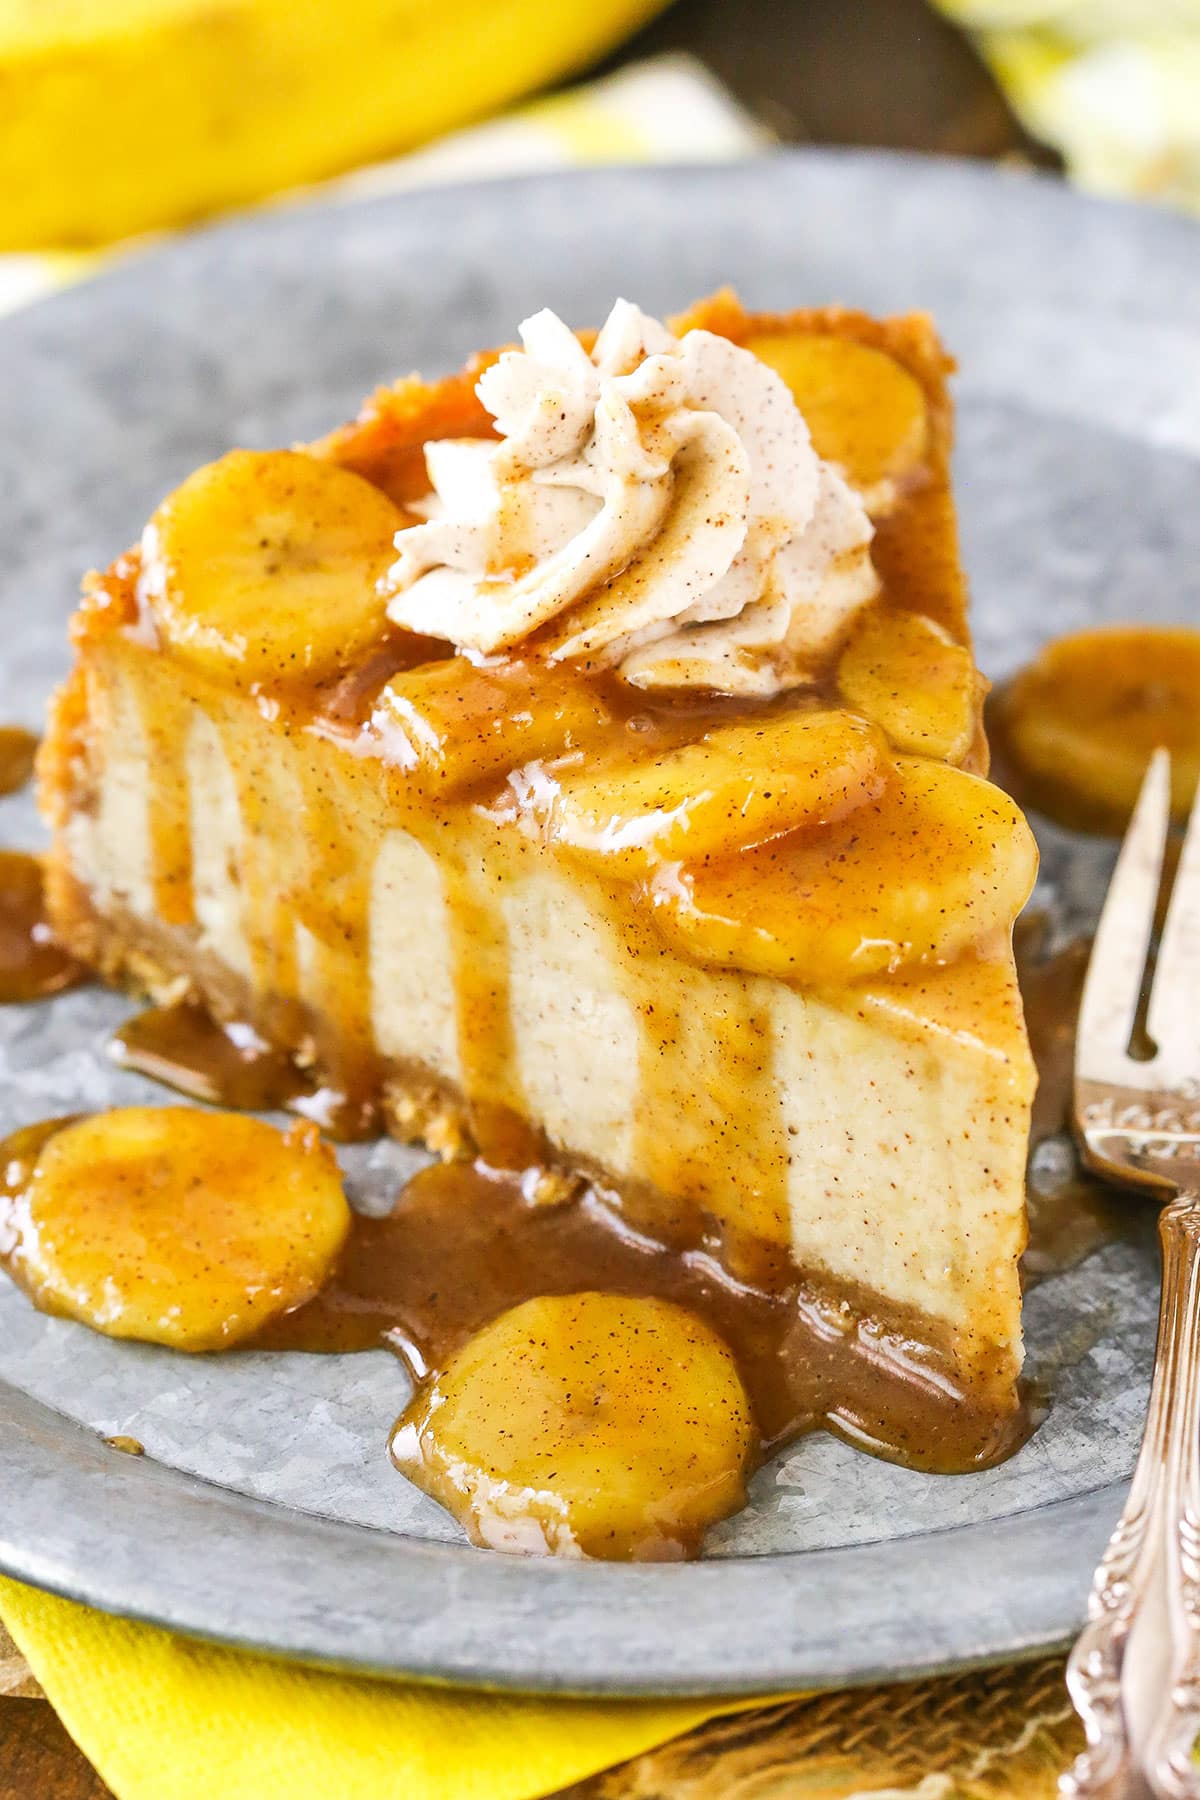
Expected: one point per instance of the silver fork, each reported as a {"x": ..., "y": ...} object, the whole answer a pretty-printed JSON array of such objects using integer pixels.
[{"x": 1134, "y": 1674}]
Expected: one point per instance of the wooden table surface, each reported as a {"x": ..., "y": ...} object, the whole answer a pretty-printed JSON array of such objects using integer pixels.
[{"x": 890, "y": 73}]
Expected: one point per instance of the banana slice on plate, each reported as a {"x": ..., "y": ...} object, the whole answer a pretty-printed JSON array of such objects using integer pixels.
[
  {"x": 584, "y": 1425},
  {"x": 265, "y": 567},
  {"x": 1079, "y": 725},
  {"x": 175, "y": 1226},
  {"x": 936, "y": 865}
]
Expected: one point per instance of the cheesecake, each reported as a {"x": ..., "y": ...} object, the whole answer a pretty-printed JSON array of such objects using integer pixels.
[{"x": 578, "y": 762}]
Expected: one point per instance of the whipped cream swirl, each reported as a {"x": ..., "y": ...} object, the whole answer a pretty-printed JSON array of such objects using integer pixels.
[{"x": 656, "y": 506}]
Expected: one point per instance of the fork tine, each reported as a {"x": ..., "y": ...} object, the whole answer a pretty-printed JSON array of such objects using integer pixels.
[
  {"x": 1173, "y": 1019},
  {"x": 1114, "y": 978}
]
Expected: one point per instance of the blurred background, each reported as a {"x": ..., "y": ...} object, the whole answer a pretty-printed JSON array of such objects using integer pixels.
[{"x": 120, "y": 118}]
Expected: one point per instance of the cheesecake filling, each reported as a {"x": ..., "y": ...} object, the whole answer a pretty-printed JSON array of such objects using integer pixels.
[{"x": 655, "y": 506}]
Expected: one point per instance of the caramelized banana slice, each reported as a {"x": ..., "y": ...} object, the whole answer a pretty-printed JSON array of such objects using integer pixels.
[
  {"x": 907, "y": 673},
  {"x": 177, "y": 1226},
  {"x": 937, "y": 864},
  {"x": 584, "y": 1425},
  {"x": 740, "y": 784},
  {"x": 463, "y": 726},
  {"x": 264, "y": 566},
  {"x": 864, "y": 410},
  {"x": 1080, "y": 724}
]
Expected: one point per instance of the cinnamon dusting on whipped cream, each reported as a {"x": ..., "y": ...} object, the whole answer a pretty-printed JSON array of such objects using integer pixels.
[{"x": 656, "y": 507}]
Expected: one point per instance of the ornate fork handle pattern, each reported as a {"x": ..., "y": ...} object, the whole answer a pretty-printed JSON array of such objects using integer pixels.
[
  {"x": 1161, "y": 1519},
  {"x": 1168, "y": 1755}
]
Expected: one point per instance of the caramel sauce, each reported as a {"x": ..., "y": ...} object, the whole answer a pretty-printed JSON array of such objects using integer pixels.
[
  {"x": 185, "y": 1048},
  {"x": 128, "y": 1446},
  {"x": 170, "y": 821},
  {"x": 1074, "y": 731},
  {"x": 32, "y": 964},
  {"x": 490, "y": 1076},
  {"x": 17, "y": 751},
  {"x": 463, "y": 1245},
  {"x": 726, "y": 1073}
]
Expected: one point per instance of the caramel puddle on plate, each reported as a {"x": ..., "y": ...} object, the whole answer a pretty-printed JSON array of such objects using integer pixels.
[
  {"x": 537, "y": 1333},
  {"x": 185, "y": 1048},
  {"x": 18, "y": 748},
  {"x": 464, "y": 1244},
  {"x": 32, "y": 965}
]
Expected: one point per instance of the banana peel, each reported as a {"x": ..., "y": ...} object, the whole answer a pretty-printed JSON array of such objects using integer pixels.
[{"x": 122, "y": 116}]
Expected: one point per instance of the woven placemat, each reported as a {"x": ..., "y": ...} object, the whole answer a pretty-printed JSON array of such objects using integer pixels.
[
  {"x": 998, "y": 1734},
  {"x": 16, "y": 1683}
]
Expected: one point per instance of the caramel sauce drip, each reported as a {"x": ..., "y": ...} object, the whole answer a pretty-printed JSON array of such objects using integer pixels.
[
  {"x": 463, "y": 1245},
  {"x": 271, "y": 908},
  {"x": 32, "y": 964},
  {"x": 722, "y": 1112},
  {"x": 487, "y": 1048},
  {"x": 17, "y": 751},
  {"x": 185, "y": 1048},
  {"x": 303, "y": 901},
  {"x": 170, "y": 821}
]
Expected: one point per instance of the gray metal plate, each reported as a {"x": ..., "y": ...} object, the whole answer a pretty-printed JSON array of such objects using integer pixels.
[{"x": 265, "y": 1512}]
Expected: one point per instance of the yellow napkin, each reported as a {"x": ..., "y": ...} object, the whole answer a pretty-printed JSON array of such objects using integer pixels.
[{"x": 168, "y": 1718}]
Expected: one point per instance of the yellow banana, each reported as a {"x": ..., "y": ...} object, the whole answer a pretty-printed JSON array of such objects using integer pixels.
[{"x": 121, "y": 116}]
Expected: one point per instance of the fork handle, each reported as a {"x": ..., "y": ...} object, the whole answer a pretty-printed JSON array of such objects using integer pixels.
[
  {"x": 1134, "y": 1674},
  {"x": 1168, "y": 1749}
]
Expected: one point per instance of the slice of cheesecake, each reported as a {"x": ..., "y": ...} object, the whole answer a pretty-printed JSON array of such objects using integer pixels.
[{"x": 580, "y": 759}]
